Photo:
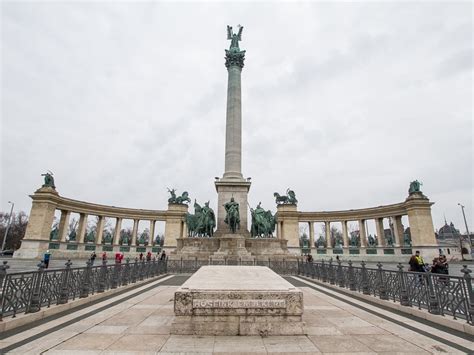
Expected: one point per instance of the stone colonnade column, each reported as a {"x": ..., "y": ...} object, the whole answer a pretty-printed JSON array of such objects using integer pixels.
[
  {"x": 135, "y": 231},
  {"x": 311, "y": 235},
  {"x": 81, "y": 230},
  {"x": 100, "y": 229},
  {"x": 152, "y": 232},
  {"x": 380, "y": 232},
  {"x": 397, "y": 230},
  {"x": 345, "y": 237},
  {"x": 63, "y": 225},
  {"x": 362, "y": 234},
  {"x": 118, "y": 228},
  {"x": 327, "y": 230}
]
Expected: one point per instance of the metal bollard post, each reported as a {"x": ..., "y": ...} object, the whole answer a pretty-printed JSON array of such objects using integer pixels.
[
  {"x": 340, "y": 276},
  {"x": 381, "y": 281},
  {"x": 35, "y": 300},
  {"x": 470, "y": 294},
  {"x": 332, "y": 277},
  {"x": 365, "y": 280},
  {"x": 86, "y": 280},
  {"x": 64, "y": 295},
  {"x": 126, "y": 272},
  {"x": 352, "y": 283},
  {"x": 114, "y": 280},
  {"x": 404, "y": 300},
  {"x": 324, "y": 271},
  {"x": 3, "y": 272},
  {"x": 102, "y": 277}
]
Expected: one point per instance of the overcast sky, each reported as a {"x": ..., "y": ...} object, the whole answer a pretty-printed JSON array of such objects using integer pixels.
[{"x": 345, "y": 103}]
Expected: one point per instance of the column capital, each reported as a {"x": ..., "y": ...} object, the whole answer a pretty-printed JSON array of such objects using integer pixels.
[{"x": 233, "y": 58}]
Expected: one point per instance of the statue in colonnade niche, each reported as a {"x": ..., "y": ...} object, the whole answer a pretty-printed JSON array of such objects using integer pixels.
[
  {"x": 48, "y": 180},
  {"x": 288, "y": 199},
  {"x": 144, "y": 237},
  {"x": 232, "y": 217},
  {"x": 389, "y": 240},
  {"x": 415, "y": 187},
  {"x": 125, "y": 237},
  {"x": 180, "y": 200},
  {"x": 406, "y": 239},
  {"x": 107, "y": 239},
  {"x": 54, "y": 234},
  {"x": 72, "y": 235},
  {"x": 372, "y": 241},
  {"x": 90, "y": 237},
  {"x": 321, "y": 242},
  {"x": 355, "y": 240}
]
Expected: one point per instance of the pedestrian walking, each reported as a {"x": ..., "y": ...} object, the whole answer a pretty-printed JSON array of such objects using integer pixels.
[
  {"x": 93, "y": 256},
  {"x": 46, "y": 258},
  {"x": 104, "y": 256},
  {"x": 163, "y": 255},
  {"x": 141, "y": 256},
  {"x": 148, "y": 256}
]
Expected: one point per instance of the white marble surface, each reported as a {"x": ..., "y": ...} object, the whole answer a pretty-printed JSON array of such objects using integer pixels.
[{"x": 235, "y": 278}]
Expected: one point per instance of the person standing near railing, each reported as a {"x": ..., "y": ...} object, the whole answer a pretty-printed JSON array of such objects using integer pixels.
[
  {"x": 93, "y": 256},
  {"x": 46, "y": 258}
]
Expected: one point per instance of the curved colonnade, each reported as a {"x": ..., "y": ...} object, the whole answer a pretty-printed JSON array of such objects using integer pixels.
[{"x": 46, "y": 203}]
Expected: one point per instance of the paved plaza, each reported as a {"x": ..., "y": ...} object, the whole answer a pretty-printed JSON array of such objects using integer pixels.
[{"x": 139, "y": 321}]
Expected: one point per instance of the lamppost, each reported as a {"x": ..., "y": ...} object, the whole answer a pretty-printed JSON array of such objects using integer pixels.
[
  {"x": 8, "y": 226},
  {"x": 465, "y": 223}
]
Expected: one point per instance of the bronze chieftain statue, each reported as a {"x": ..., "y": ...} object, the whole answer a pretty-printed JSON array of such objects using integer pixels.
[
  {"x": 48, "y": 180},
  {"x": 415, "y": 187},
  {"x": 202, "y": 222},
  {"x": 263, "y": 223},
  {"x": 232, "y": 217}
]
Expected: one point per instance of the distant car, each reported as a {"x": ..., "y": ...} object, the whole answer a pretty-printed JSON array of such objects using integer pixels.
[{"x": 7, "y": 252}]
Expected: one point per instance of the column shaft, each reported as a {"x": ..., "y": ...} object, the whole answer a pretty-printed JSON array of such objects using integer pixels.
[
  {"x": 233, "y": 140},
  {"x": 81, "y": 230},
  {"x": 118, "y": 228},
  {"x": 397, "y": 230},
  {"x": 345, "y": 238},
  {"x": 380, "y": 232},
  {"x": 328, "y": 234},
  {"x": 135, "y": 231},
  {"x": 100, "y": 229},
  {"x": 362, "y": 233},
  {"x": 63, "y": 225},
  {"x": 311, "y": 235},
  {"x": 152, "y": 232}
]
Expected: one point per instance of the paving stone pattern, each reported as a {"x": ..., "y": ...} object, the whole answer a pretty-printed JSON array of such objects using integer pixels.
[{"x": 141, "y": 325}]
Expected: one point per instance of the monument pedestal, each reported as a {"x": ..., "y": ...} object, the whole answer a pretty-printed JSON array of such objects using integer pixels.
[
  {"x": 271, "y": 247},
  {"x": 232, "y": 246},
  {"x": 237, "y": 300}
]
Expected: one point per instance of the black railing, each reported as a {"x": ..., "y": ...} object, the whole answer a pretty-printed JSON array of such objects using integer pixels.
[
  {"x": 31, "y": 290},
  {"x": 438, "y": 293}
]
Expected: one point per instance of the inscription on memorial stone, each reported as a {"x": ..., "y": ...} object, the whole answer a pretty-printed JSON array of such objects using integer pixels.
[{"x": 239, "y": 304}]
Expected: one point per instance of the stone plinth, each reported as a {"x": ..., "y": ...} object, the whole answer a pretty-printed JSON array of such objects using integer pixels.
[
  {"x": 267, "y": 246},
  {"x": 232, "y": 245},
  {"x": 196, "y": 247},
  {"x": 237, "y": 300}
]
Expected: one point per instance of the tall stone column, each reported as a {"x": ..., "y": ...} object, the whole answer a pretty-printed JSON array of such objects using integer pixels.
[
  {"x": 81, "y": 230},
  {"x": 63, "y": 225},
  {"x": 152, "y": 232},
  {"x": 397, "y": 230},
  {"x": 100, "y": 229},
  {"x": 311, "y": 235},
  {"x": 345, "y": 238},
  {"x": 134, "y": 232},
  {"x": 362, "y": 233},
  {"x": 380, "y": 232},
  {"x": 232, "y": 183},
  {"x": 327, "y": 229},
  {"x": 118, "y": 228}
]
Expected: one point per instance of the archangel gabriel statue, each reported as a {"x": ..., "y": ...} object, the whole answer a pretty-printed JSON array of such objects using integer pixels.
[{"x": 234, "y": 38}]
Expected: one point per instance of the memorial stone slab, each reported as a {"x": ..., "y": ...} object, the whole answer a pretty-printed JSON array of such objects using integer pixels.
[{"x": 237, "y": 300}]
